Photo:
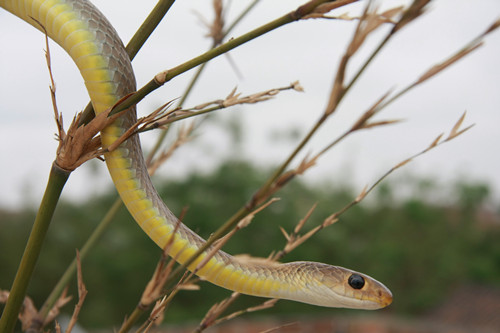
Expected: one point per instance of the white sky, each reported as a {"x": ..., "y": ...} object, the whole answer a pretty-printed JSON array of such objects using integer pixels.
[{"x": 306, "y": 51}]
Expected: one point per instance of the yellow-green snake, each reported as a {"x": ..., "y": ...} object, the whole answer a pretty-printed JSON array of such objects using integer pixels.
[{"x": 86, "y": 35}]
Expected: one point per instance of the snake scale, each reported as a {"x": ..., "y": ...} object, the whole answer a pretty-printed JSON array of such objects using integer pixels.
[{"x": 93, "y": 44}]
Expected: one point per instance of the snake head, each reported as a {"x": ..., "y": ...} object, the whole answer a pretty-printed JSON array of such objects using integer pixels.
[
  {"x": 339, "y": 287},
  {"x": 345, "y": 288}
]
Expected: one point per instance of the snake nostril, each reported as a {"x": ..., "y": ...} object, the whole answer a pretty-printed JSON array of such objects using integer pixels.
[{"x": 356, "y": 281}]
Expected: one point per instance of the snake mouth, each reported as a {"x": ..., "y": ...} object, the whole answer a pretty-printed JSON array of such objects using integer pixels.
[
  {"x": 385, "y": 300},
  {"x": 376, "y": 299},
  {"x": 377, "y": 304}
]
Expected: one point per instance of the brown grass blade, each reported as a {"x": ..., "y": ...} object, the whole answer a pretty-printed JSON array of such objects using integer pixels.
[
  {"x": 456, "y": 131},
  {"x": 436, "y": 69},
  {"x": 264, "y": 306},
  {"x": 279, "y": 328},
  {"x": 416, "y": 9},
  {"x": 82, "y": 293},
  {"x": 215, "y": 311}
]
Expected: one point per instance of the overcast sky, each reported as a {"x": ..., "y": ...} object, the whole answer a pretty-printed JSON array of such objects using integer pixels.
[{"x": 305, "y": 51}]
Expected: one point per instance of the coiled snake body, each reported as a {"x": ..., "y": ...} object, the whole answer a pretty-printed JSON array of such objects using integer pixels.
[{"x": 80, "y": 29}]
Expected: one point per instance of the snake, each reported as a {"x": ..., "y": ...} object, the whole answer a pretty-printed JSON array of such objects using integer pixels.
[{"x": 98, "y": 52}]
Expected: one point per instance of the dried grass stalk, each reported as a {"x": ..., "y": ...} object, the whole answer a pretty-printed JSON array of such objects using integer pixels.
[
  {"x": 321, "y": 10},
  {"x": 82, "y": 293},
  {"x": 232, "y": 99},
  {"x": 30, "y": 316},
  {"x": 280, "y": 328},
  {"x": 416, "y": 9},
  {"x": 184, "y": 135}
]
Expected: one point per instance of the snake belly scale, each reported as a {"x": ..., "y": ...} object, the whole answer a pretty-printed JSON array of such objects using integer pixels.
[{"x": 93, "y": 44}]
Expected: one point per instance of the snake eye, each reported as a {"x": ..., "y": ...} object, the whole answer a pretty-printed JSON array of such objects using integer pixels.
[{"x": 356, "y": 281}]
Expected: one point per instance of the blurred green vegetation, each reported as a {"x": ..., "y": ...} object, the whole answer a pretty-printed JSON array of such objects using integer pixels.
[{"x": 419, "y": 247}]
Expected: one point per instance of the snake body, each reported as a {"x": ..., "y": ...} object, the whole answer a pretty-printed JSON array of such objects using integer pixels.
[{"x": 93, "y": 44}]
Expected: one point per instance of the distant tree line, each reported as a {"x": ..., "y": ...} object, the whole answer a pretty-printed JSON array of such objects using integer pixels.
[{"x": 419, "y": 248}]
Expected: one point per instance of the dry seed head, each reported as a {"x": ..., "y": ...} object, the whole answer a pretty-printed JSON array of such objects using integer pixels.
[
  {"x": 386, "y": 17},
  {"x": 158, "y": 312},
  {"x": 330, "y": 220},
  {"x": 439, "y": 67},
  {"x": 361, "y": 122},
  {"x": 266, "y": 305},
  {"x": 368, "y": 23},
  {"x": 321, "y": 10},
  {"x": 56, "y": 309},
  {"x": 380, "y": 123},
  {"x": 328, "y": 7},
  {"x": 28, "y": 313},
  {"x": 436, "y": 141},
  {"x": 296, "y": 86},
  {"x": 303, "y": 221},
  {"x": 346, "y": 17},
  {"x": 402, "y": 163},
  {"x": 305, "y": 164},
  {"x": 416, "y": 9},
  {"x": 217, "y": 26},
  {"x": 492, "y": 27},
  {"x": 362, "y": 195},
  {"x": 283, "y": 231},
  {"x": 234, "y": 98},
  {"x": 183, "y": 136},
  {"x": 154, "y": 287},
  {"x": 301, "y": 239},
  {"x": 456, "y": 131},
  {"x": 389, "y": 14},
  {"x": 81, "y": 143},
  {"x": 337, "y": 89},
  {"x": 189, "y": 286},
  {"x": 216, "y": 310}
]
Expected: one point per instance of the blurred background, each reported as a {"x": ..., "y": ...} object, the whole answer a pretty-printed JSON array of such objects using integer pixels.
[{"x": 430, "y": 232}]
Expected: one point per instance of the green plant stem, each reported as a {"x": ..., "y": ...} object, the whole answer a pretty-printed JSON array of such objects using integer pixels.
[
  {"x": 163, "y": 134},
  {"x": 55, "y": 185},
  {"x": 133, "y": 47},
  {"x": 147, "y": 27},
  {"x": 70, "y": 271},
  {"x": 132, "y": 319}
]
